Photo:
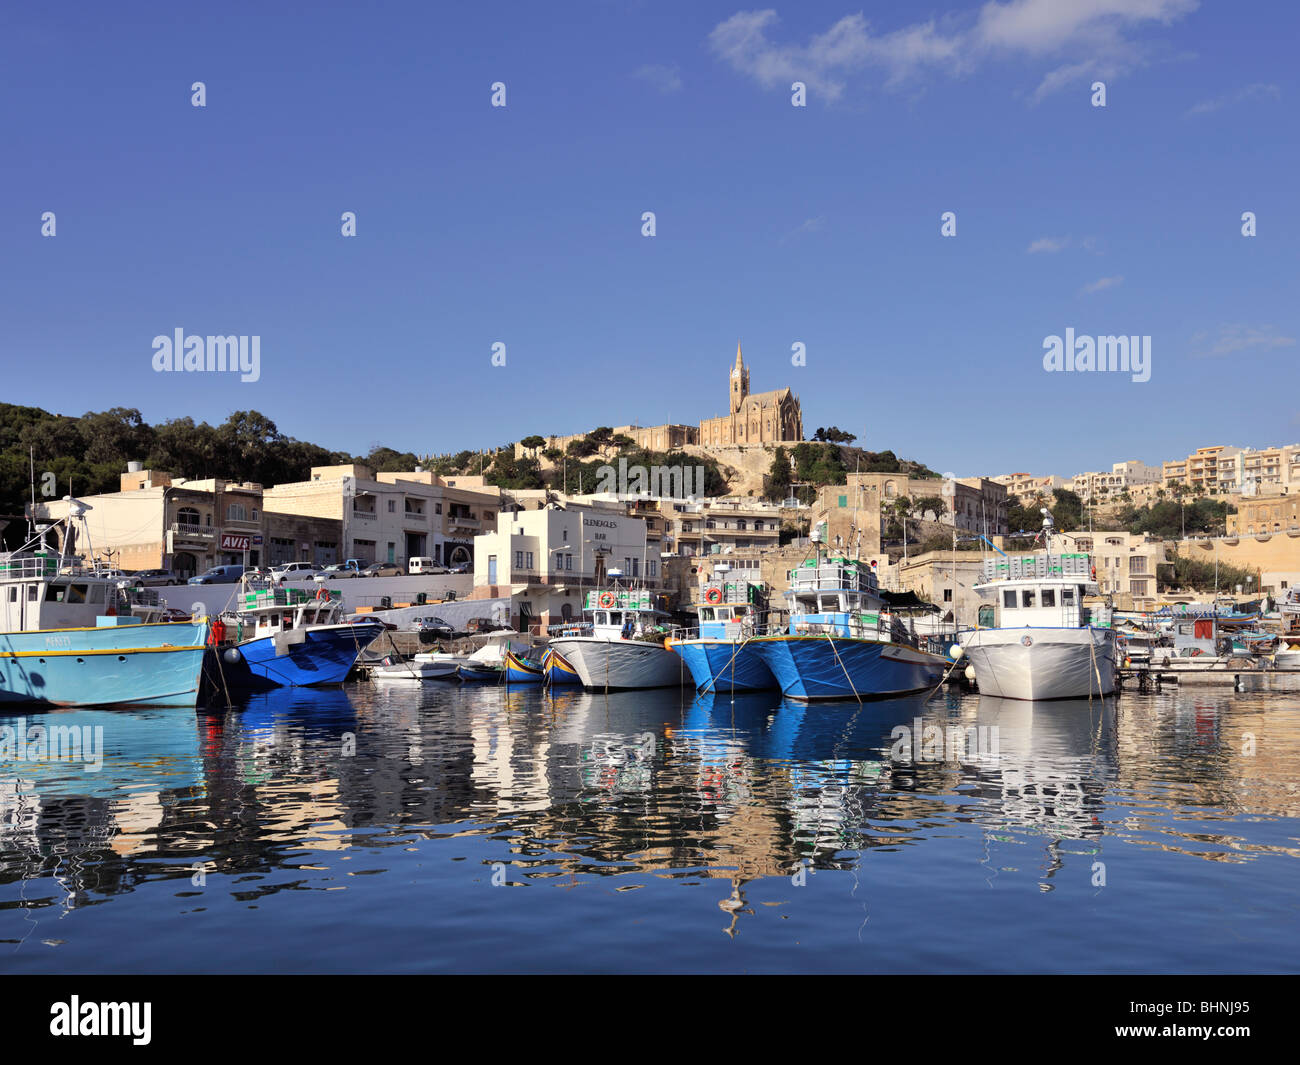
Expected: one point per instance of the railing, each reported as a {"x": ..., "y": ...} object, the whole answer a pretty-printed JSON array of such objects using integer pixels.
[{"x": 185, "y": 528}]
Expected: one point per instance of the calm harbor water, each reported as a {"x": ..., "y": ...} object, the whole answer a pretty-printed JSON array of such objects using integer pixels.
[{"x": 466, "y": 829}]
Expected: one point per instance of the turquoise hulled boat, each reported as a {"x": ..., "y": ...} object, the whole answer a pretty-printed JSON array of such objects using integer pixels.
[{"x": 68, "y": 637}]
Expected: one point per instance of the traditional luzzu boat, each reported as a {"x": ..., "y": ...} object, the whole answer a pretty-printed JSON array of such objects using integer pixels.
[
  {"x": 559, "y": 673},
  {"x": 290, "y": 637},
  {"x": 842, "y": 641},
  {"x": 68, "y": 638},
  {"x": 1036, "y": 639},
  {"x": 522, "y": 670},
  {"x": 721, "y": 657},
  {"x": 625, "y": 648}
]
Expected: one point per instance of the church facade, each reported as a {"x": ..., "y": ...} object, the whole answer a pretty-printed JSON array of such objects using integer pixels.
[{"x": 754, "y": 417}]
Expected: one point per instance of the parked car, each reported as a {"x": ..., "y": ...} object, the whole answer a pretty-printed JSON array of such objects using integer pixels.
[
  {"x": 462, "y": 567},
  {"x": 293, "y": 571},
  {"x": 371, "y": 617},
  {"x": 483, "y": 625},
  {"x": 423, "y": 564},
  {"x": 340, "y": 570},
  {"x": 219, "y": 575},
  {"x": 383, "y": 569},
  {"x": 434, "y": 627},
  {"x": 152, "y": 577},
  {"x": 258, "y": 573}
]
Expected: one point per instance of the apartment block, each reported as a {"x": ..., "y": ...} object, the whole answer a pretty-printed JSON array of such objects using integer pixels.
[
  {"x": 393, "y": 517},
  {"x": 546, "y": 560}
]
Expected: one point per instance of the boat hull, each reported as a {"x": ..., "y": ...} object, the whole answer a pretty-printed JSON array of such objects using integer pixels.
[
  {"x": 1053, "y": 664},
  {"x": 559, "y": 673},
  {"x": 325, "y": 655},
  {"x": 151, "y": 664},
  {"x": 813, "y": 668},
  {"x": 620, "y": 665},
  {"x": 519, "y": 671},
  {"x": 724, "y": 665}
]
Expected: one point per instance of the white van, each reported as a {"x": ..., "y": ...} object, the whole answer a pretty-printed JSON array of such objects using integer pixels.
[{"x": 422, "y": 564}]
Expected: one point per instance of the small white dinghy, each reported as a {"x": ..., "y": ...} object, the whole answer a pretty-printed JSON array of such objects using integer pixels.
[{"x": 414, "y": 672}]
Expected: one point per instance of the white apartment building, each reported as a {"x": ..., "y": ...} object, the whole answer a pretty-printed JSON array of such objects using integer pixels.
[
  {"x": 1102, "y": 487},
  {"x": 545, "y": 560},
  {"x": 392, "y": 517}
]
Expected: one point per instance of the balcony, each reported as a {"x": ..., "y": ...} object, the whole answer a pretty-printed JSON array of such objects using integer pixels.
[
  {"x": 185, "y": 530},
  {"x": 364, "y": 515},
  {"x": 456, "y": 522}
]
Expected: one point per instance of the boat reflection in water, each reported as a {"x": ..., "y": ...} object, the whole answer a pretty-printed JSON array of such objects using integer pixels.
[{"x": 839, "y": 825}]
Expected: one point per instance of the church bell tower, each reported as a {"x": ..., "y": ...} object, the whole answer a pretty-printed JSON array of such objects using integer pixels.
[{"x": 739, "y": 382}]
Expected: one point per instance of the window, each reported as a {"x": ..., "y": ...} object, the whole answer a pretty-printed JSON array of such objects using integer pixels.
[
  {"x": 1049, "y": 597},
  {"x": 235, "y": 512},
  {"x": 529, "y": 563},
  {"x": 1137, "y": 587},
  {"x": 519, "y": 560},
  {"x": 392, "y": 506},
  {"x": 1009, "y": 598},
  {"x": 1027, "y": 598},
  {"x": 947, "y": 595},
  {"x": 1137, "y": 564},
  {"x": 1067, "y": 596},
  {"x": 187, "y": 516},
  {"x": 568, "y": 562}
]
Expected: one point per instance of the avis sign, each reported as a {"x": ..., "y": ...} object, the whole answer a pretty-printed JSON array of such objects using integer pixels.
[{"x": 235, "y": 542}]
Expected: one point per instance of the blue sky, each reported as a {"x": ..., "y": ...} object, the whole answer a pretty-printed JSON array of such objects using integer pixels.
[{"x": 775, "y": 224}]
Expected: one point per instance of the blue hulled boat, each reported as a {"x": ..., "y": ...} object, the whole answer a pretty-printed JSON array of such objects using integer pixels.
[
  {"x": 842, "y": 641},
  {"x": 67, "y": 636},
  {"x": 559, "y": 673},
  {"x": 289, "y": 637},
  {"x": 521, "y": 670},
  {"x": 722, "y": 658}
]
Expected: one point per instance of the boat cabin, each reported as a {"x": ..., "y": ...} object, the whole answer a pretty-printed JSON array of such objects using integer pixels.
[
  {"x": 265, "y": 609},
  {"x": 730, "y": 608},
  {"x": 1042, "y": 590},
  {"x": 837, "y": 596},
  {"x": 37, "y": 592}
]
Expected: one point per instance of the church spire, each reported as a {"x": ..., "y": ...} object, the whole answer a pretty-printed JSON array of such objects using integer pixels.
[{"x": 739, "y": 361}]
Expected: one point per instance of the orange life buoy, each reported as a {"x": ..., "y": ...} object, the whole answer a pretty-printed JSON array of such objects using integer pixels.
[
  {"x": 323, "y": 593},
  {"x": 713, "y": 595},
  {"x": 606, "y": 599}
]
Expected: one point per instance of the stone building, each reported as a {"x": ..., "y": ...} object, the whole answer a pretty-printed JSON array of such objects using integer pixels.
[{"x": 753, "y": 418}]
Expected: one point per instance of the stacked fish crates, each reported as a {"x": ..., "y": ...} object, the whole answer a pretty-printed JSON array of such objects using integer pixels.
[{"x": 1040, "y": 566}]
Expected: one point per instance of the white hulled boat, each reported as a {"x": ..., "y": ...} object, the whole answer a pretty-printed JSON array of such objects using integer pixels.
[
  {"x": 625, "y": 648},
  {"x": 1036, "y": 639}
]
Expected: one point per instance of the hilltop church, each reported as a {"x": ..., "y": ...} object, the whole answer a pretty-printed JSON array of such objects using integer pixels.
[
  {"x": 758, "y": 418},
  {"x": 754, "y": 418}
]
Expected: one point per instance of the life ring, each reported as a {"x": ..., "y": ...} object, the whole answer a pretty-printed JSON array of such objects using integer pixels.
[
  {"x": 606, "y": 599},
  {"x": 713, "y": 595},
  {"x": 322, "y": 593}
]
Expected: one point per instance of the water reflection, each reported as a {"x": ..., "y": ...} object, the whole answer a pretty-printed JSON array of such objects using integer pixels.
[{"x": 651, "y": 790}]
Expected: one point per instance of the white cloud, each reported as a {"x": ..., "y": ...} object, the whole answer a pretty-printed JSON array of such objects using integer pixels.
[
  {"x": 1257, "y": 91},
  {"x": 1238, "y": 337},
  {"x": 1102, "y": 284},
  {"x": 1087, "y": 38},
  {"x": 1048, "y": 244},
  {"x": 808, "y": 225},
  {"x": 667, "y": 79}
]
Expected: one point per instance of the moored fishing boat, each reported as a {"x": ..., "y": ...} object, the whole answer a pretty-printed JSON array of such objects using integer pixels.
[
  {"x": 67, "y": 637},
  {"x": 842, "y": 641},
  {"x": 559, "y": 673},
  {"x": 1036, "y": 639},
  {"x": 521, "y": 670},
  {"x": 625, "y": 649},
  {"x": 720, "y": 657},
  {"x": 292, "y": 638}
]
